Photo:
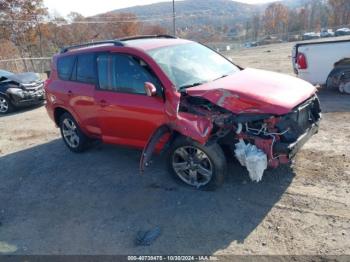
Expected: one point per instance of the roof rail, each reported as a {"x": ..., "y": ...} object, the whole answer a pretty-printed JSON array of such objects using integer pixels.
[
  {"x": 114, "y": 42},
  {"x": 146, "y": 37}
]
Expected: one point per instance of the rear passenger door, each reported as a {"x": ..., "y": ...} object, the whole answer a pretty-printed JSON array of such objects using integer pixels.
[
  {"x": 126, "y": 114},
  {"x": 79, "y": 87}
]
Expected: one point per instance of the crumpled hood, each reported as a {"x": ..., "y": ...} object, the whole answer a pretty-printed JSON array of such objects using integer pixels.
[
  {"x": 24, "y": 78},
  {"x": 256, "y": 91}
]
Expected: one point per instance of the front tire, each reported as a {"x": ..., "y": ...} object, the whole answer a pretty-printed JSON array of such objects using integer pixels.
[
  {"x": 199, "y": 166},
  {"x": 72, "y": 135},
  {"x": 5, "y": 105}
]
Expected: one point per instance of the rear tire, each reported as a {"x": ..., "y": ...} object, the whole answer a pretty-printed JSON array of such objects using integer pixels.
[
  {"x": 6, "y": 106},
  {"x": 199, "y": 166},
  {"x": 72, "y": 135},
  {"x": 336, "y": 80}
]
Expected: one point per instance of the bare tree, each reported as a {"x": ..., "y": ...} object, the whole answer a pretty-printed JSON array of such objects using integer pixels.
[{"x": 276, "y": 19}]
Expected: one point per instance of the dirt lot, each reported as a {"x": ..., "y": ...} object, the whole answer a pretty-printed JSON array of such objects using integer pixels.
[{"x": 56, "y": 202}]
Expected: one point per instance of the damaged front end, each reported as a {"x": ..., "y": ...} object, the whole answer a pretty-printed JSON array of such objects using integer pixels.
[
  {"x": 259, "y": 141},
  {"x": 23, "y": 93},
  {"x": 277, "y": 137}
]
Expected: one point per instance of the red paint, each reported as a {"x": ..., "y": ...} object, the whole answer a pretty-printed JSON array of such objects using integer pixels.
[
  {"x": 301, "y": 61},
  {"x": 148, "y": 44},
  {"x": 266, "y": 146},
  {"x": 131, "y": 119},
  {"x": 256, "y": 91},
  {"x": 197, "y": 127}
]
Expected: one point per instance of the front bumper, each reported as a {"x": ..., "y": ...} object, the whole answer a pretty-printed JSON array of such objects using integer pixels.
[
  {"x": 291, "y": 149},
  {"x": 29, "y": 98}
]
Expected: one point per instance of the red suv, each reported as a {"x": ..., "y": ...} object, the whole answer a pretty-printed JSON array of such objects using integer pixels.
[{"x": 161, "y": 92}]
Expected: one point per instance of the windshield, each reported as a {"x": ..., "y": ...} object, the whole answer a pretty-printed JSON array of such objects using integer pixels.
[
  {"x": 191, "y": 64},
  {"x": 4, "y": 73}
]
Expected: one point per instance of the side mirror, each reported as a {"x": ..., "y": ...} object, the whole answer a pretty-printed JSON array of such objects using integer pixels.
[{"x": 150, "y": 89}]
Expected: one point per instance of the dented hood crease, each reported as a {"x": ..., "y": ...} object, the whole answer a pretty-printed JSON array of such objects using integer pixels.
[{"x": 256, "y": 91}]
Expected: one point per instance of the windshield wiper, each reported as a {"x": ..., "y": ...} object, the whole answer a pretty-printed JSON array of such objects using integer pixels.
[
  {"x": 223, "y": 76},
  {"x": 184, "y": 87}
]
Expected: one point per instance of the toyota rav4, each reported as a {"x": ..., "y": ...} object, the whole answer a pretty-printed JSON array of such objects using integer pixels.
[{"x": 165, "y": 94}]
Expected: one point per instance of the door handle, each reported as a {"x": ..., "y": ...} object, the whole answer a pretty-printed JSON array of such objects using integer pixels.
[
  {"x": 70, "y": 93},
  {"x": 103, "y": 103}
]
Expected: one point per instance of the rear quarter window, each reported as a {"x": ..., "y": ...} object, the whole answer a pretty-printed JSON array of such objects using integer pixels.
[{"x": 65, "y": 66}]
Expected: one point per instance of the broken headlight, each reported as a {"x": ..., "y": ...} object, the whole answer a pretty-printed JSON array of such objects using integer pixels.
[
  {"x": 254, "y": 124},
  {"x": 16, "y": 91}
]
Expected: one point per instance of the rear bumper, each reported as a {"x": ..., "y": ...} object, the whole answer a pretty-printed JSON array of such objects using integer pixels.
[
  {"x": 50, "y": 110},
  {"x": 291, "y": 149}
]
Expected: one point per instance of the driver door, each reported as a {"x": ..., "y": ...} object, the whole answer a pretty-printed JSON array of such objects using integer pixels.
[{"x": 126, "y": 115}]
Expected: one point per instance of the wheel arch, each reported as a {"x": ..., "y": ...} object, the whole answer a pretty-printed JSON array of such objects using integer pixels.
[
  {"x": 58, "y": 112},
  {"x": 213, "y": 151},
  {"x": 334, "y": 75},
  {"x": 5, "y": 94},
  {"x": 8, "y": 98}
]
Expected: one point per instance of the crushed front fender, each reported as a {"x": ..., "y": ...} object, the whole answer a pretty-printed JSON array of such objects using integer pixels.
[{"x": 151, "y": 145}]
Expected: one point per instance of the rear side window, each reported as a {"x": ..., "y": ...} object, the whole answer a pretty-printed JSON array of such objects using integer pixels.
[
  {"x": 104, "y": 74},
  {"x": 86, "y": 69},
  {"x": 65, "y": 66}
]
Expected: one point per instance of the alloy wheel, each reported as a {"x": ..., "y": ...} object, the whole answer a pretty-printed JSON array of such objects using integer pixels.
[
  {"x": 4, "y": 106},
  {"x": 192, "y": 166},
  {"x": 69, "y": 131}
]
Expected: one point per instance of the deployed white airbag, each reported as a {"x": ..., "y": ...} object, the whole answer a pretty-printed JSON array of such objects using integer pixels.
[{"x": 253, "y": 158}]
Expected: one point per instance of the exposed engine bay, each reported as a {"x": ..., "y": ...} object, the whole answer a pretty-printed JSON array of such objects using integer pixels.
[
  {"x": 258, "y": 140},
  {"x": 262, "y": 130}
]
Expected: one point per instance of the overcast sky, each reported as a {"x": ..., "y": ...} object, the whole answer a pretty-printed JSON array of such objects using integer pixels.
[{"x": 91, "y": 7}]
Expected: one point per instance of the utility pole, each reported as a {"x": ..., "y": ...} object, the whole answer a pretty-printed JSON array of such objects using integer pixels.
[{"x": 174, "y": 19}]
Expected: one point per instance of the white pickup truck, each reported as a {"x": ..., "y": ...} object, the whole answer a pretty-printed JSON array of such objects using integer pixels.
[{"x": 324, "y": 63}]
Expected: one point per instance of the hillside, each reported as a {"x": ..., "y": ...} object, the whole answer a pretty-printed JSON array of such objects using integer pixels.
[
  {"x": 227, "y": 16},
  {"x": 192, "y": 6},
  {"x": 193, "y": 12}
]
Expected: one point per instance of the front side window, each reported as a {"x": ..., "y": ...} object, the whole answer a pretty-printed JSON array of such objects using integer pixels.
[
  {"x": 191, "y": 64},
  {"x": 65, "y": 66},
  {"x": 124, "y": 73}
]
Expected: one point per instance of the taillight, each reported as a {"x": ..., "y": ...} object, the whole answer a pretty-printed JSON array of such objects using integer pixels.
[{"x": 301, "y": 61}]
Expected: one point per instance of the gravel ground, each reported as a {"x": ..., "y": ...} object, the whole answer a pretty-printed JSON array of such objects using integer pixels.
[{"x": 55, "y": 202}]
